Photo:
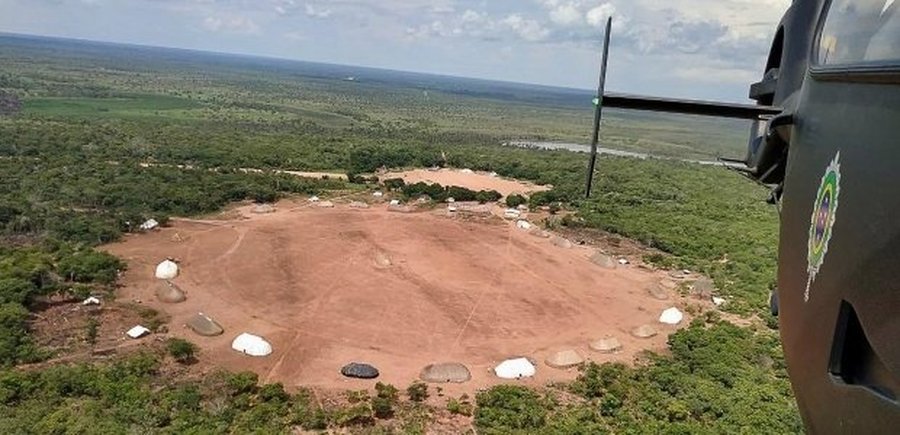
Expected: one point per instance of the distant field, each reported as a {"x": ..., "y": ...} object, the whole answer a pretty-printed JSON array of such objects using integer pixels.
[
  {"x": 117, "y": 107},
  {"x": 60, "y": 78}
]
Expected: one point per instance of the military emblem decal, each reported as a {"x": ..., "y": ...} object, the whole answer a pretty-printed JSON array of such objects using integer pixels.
[{"x": 822, "y": 220}]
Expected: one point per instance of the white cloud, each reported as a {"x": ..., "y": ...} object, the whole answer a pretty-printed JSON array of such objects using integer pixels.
[
  {"x": 230, "y": 24},
  {"x": 470, "y": 16},
  {"x": 527, "y": 29},
  {"x": 597, "y": 16},
  {"x": 741, "y": 17},
  {"x": 733, "y": 33},
  {"x": 566, "y": 14},
  {"x": 549, "y": 41},
  {"x": 314, "y": 12}
]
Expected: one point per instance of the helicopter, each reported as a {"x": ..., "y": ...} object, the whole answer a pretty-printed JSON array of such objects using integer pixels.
[{"x": 824, "y": 138}]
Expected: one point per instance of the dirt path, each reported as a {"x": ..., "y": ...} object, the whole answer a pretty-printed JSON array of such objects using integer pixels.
[{"x": 305, "y": 174}]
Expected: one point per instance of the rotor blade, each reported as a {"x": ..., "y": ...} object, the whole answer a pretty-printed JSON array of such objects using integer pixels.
[
  {"x": 691, "y": 107},
  {"x": 598, "y": 110}
]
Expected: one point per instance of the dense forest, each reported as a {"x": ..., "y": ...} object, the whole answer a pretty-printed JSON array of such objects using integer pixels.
[{"x": 95, "y": 140}]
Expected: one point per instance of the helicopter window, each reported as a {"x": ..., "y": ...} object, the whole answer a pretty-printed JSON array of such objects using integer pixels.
[{"x": 860, "y": 31}]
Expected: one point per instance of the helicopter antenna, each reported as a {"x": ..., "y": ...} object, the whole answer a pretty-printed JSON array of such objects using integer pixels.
[{"x": 598, "y": 110}]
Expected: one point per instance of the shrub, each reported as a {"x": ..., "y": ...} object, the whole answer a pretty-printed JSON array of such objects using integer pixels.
[
  {"x": 307, "y": 413},
  {"x": 460, "y": 406},
  {"x": 91, "y": 329},
  {"x": 264, "y": 195},
  {"x": 274, "y": 393},
  {"x": 356, "y": 415},
  {"x": 90, "y": 266},
  {"x": 387, "y": 391},
  {"x": 544, "y": 198},
  {"x": 595, "y": 380},
  {"x": 357, "y": 396},
  {"x": 382, "y": 407},
  {"x": 417, "y": 392},
  {"x": 80, "y": 291},
  {"x": 434, "y": 191},
  {"x": 16, "y": 290},
  {"x": 571, "y": 221},
  {"x": 394, "y": 183},
  {"x": 513, "y": 201},
  {"x": 484, "y": 196},
  {"x": 509, "y": 408},
  {"x": 182, "y": 350},
  {"x": 242, "y": 383},
  {"x": 356, "y": 178},
  {"x": 460, "y": 193},
  {"x": 14, "y": 342},
  {"x": 386, "y": 396},
  {"x": 661, "y": 260}
]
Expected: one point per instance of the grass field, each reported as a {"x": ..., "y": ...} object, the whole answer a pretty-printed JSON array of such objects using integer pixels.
[
  {"x": 124, "y": 107},
  {"x": 60, "y": 78}
]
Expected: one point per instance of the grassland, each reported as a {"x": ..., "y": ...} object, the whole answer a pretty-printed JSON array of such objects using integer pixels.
[
  {"x": 70, "y": 178},
  {"x": 232, "y": 88},
  {"x": 124, "y": 107}
]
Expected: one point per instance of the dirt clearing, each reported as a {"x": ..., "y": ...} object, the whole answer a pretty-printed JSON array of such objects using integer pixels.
[
  {"x": 468, "y": 179},
  {"x": 400, "y": 291}
]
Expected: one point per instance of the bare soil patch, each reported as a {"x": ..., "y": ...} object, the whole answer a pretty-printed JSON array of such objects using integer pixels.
[
  {"x": 467, "y": 179},
  {"x": 73, "y": 332},
  {"x": 314, "y": 283}
]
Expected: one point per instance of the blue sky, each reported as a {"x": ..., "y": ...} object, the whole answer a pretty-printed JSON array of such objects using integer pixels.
[{"x": 683, "y": 48}]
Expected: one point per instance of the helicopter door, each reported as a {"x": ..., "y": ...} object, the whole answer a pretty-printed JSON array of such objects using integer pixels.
[{"x": 839, "y": 268}]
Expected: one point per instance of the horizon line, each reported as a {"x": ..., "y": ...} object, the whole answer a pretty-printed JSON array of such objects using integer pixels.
[{"x": 283, "y": 59}]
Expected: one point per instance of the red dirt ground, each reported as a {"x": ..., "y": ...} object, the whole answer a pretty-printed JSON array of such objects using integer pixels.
[
  {"x": 306, "y": 279},
  {"x": 474, "y": 181}
]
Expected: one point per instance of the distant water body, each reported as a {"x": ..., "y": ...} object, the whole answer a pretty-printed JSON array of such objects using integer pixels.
[{"x": 581, "y": 148}]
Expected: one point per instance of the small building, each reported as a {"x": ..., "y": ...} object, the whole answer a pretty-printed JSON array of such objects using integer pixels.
[
  {"x": 168, "y": 269},
  {"x": 150, "y": 224},
  {"x": 252, "y": 345},
  {"x": 516, "y": 368},
  {"x": 137, "y": 332}
]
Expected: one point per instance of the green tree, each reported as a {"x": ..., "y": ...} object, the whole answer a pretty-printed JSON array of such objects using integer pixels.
[
  {"x": 182, "y": 350},
  {"x": 484, "y": 196},
  {"x": 90, "y": 266},
  {"x": 507, "y": 408},
  {"x": 514, "y": 200},
  {"x": 15, "y": 345},
  {"x": 16, "y": 290}
]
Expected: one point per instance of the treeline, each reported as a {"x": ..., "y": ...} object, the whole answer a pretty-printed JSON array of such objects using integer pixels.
[
  {"x": 437, "y": 192},
  {"x": 719, "y": 379},
  {"x": 95, "y": 201},
  {"x": 130, "y": 396}
]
